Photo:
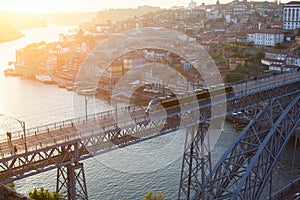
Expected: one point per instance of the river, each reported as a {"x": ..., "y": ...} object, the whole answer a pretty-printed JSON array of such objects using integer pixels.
[{"x": 125, "y": 173}]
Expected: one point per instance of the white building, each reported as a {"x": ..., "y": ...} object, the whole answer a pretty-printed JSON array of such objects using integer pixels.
[
  {"x": 281, "y": 61},
  {"x": 267, "y": 37},
  {"x": 213, "y": 13},
  {"x": 291, "y": 15},
  {"x": 293, "y": 61},
  {"x": 275, "y": 60}
]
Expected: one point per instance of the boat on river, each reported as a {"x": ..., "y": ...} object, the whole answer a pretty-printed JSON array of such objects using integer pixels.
[
  {"x": 44, "y": 78},
  {"x": 88, "y": 91}
]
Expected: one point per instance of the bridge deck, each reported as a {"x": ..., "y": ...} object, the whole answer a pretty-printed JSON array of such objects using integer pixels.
[
  {"x": 60, "y": 132},
  {"x": 70, "y": 131},
  {"x": 99, "y": 131}
]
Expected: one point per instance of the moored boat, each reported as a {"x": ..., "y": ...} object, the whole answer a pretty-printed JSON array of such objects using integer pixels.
[
  {"x": 44, "y": 78},
  {"x": 86, "y": 91}
]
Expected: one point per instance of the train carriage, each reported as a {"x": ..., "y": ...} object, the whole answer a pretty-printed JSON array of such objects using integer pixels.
[{"x": 173, "y": 104}]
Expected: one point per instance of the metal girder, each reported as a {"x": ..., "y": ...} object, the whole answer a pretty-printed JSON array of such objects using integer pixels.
[
  {"x": 71, "y": 182},
  {"x": 255, "y": 99},
  {"x": 246, "y": 166},
  {"x": 78, "y": 140},
  {"x": 94, "y": 137},
  {"x": 267, "y": 155},
  {"x": 197, "y": 153}
]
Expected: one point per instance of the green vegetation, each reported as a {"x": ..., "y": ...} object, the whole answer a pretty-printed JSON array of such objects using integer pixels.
[
  {"x": 11, "y": 185},
  {"x": 252, "y": 55},
  {"x": 117, "y": 15},
  {"x": 152, "y": 196},
  {"x": 234, "y": 77},
  {"x": 43, "y": 195}
]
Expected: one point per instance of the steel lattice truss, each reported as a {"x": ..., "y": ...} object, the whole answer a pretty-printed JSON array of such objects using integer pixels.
[
  {"x": 246, "y": 167},
  {"x": 196, "y": 154},
  {"x": 80, "y": 141},
  {"x": 70, "y": 176},
  {"x": 200, "y": 169}
]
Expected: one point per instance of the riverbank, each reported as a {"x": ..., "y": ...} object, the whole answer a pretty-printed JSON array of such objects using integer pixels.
[
  {"x": 12, "y": 27},
  {"x": 9, "y": 33}
]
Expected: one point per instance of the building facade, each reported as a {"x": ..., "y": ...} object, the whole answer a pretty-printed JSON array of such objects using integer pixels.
[
  {"x": 291, "y": 15},
  {"x": 281, "y": 61},
  {"x": 267, "y": 37}
]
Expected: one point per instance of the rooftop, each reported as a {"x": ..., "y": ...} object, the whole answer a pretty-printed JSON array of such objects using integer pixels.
[
  {"x": 293, "y": 2},
  {"x": 266, "y": 31}
]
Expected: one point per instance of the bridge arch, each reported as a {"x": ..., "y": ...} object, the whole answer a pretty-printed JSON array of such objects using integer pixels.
[{"x": 245, "y": 168}]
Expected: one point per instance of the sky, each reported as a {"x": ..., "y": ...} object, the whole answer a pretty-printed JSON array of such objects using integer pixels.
[{"x": 40, "y": 6}]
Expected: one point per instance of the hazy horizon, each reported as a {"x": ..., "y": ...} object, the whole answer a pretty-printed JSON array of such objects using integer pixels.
[{"x": 49, "y": 6}]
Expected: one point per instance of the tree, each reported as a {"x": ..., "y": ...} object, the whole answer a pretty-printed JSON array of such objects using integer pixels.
[
  {"x": 278, "y": 46},
  {"x": 152, "y": 196},
  {"x": 43, "y": 195},
  {"x": 234, "y": 77}
]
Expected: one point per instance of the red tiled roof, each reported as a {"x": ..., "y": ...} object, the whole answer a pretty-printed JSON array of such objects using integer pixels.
[
  {"x": 267, "y": 31},
  {"x": 293, "y": 2},
  {"x": 294, "y": 46},
  {"x": 273, "y": 60},
  {"x": 277, "y": 52},
  {"x": 292, "y": 66},
  {"x": 278, "y": 23}
]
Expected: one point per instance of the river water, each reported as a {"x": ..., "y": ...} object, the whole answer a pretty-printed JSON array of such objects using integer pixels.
[{"x": 125, "y": 173}]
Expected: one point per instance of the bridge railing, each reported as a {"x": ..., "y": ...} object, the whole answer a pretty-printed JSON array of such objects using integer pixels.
[
  {"x": 71, "y": 122},
  {"x": 251, "y": 86}
]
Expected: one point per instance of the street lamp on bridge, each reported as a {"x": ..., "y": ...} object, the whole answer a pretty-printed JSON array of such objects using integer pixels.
[{"x": 22, "y": 123}]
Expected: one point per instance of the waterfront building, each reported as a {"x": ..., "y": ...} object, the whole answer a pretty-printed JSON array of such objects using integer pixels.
[{"x": 291, "y": 15}]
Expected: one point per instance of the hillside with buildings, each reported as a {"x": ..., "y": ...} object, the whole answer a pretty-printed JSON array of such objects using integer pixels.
[
  {"x": 245, "y": 39},
  {"x": 118, "y": 16},
  {"x": 77, "y": 18}
]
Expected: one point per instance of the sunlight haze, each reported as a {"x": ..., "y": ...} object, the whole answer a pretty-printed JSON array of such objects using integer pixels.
[{"x": 38, "y": 6}]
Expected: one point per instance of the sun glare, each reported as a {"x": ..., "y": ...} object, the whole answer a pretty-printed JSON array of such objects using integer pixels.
[
  {"x": 38, "y": 6},
  {"x": 46, "y": 6},
  {"x": 27, "y": 6}
]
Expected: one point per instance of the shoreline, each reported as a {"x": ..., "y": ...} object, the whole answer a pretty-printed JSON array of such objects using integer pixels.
[
  {"x": 12, "y": 38},
  {"x": 16, "y": 34}
]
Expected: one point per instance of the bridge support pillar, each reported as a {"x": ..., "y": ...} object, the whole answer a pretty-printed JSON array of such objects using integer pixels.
[
  {"x": 196, "y": 164},
  {"x": 71, "y": 181}
]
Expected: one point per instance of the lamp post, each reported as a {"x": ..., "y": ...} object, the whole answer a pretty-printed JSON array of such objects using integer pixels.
[
  {"x": 283, "y": 71},
  {"x": 22, "y": 123},
  {"x": 86, "y": 104}
]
